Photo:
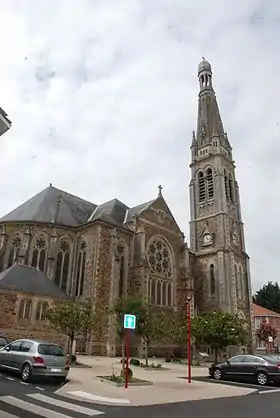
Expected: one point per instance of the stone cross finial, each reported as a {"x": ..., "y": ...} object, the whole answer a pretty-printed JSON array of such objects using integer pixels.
[{"x": 160, "y": 190}]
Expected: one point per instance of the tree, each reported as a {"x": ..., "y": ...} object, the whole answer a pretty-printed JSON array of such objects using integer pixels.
[
  {"x": 266, "y": 330},
  {"x": 73, "y": 317},
  {"x": 125, "y": 305},
  {"x": 219, "y": 329},
  {"x": 152, "y": 325},
  {"x": 269, "y": 297}
]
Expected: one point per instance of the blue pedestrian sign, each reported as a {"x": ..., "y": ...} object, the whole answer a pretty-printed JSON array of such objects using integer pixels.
[{"x": 129, "y": 321}]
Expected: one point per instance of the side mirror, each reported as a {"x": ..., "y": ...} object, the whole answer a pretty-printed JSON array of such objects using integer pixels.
[
  {"x": 7, "y": 348},
  {"x": 228, "y": 362}
]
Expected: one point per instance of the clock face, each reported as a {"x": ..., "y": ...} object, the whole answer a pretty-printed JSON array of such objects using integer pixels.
[{"x": 207, "y": 239}]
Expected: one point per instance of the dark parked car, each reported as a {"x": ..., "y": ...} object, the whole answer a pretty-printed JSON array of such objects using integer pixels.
[
  {"x": 260, "y": 369},
  {"x": 3, "y": 341}
]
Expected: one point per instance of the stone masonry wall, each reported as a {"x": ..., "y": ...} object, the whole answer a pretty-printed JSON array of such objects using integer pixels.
[{"x": 12, "y": 328}]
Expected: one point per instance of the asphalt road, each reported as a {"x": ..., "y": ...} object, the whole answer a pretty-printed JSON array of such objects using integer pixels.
[
  {"x": 257, "y": 406},
  {"x": 21, "y": 400}
]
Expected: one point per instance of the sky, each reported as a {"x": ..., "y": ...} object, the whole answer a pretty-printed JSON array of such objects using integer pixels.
[{"x": 102, "y": 95}]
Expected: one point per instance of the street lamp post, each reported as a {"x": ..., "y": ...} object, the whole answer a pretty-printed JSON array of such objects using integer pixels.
[{"x": 189, "y": 298}]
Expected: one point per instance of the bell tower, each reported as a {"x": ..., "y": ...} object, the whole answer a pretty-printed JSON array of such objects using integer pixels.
[{"x": 216, "y": 227}]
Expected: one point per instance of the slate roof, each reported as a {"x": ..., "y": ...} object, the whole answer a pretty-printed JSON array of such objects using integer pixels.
[
  {"x": 52, "y": 205},
  {"x": 29, "y": 280}
]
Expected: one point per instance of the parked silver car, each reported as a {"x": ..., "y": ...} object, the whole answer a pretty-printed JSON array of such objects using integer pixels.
[{"x": 32, "y": 358}]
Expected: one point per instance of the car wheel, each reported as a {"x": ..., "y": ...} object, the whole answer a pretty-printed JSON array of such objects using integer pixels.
[
  {"x": 26, "y": 373},
  {"x": 217, "y": 374},
  {"x": 262, "y": 378}
]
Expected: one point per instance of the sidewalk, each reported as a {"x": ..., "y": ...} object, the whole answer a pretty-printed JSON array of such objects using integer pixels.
[{"x": 167, "y": 386}]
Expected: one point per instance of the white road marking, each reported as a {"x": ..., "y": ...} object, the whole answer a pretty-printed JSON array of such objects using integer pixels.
[
  {"x": 93, "y": 397},
  {"x": 65, "y": 405},
  {"x": 23, "y": 383},
  {"x": 38, "y": 387},
  {"x": 10, "y": 378},
  {"x": 263, "y": 392},
  {"x": 26, "y": 406},
  {"x": 4, "y": 414}
]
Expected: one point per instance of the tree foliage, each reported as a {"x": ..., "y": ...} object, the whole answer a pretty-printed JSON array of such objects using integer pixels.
[
  {"x": 269, "y": 297},
  {"x": 73, "y": 317},
  {"x": 219, "y": 329},
  {"x": 150, "y": 324},
  {"x": 178, "y": 330},
  {"x": 266, "y": 330},
  {"x": 125, "y": 305}
]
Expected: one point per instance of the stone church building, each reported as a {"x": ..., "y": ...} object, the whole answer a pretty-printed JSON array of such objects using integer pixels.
[{"x": 104, "y": 251}]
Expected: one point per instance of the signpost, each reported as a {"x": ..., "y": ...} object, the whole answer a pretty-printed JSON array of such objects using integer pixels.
[{"x": 129, "y": 322}]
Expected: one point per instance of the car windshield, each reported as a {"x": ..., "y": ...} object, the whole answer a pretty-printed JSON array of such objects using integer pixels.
[
  {"x": 50, "y": 350},
  {"x": 272, "y": 358}
]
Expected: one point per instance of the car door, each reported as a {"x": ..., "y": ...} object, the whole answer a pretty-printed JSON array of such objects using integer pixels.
[
  {"x": 250, "y": 366},
  {"x": 234, "y": 368},
  {"x": 9, "y": 354},
  {"x": 23, "y": 354}
]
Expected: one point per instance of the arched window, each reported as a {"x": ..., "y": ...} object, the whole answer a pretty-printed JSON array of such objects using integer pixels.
[
  {"x": 210, "y": 184},
  {"x": 241, "y": 282},
  {"x": 158, "y": 293},
  {"x": 230, "y": 187},
  {"x": 201, "y": 187},
  {"x": 212, "y": 280},
  {"x": 153, "y": 292},
  {"x": 226, "y": 184},
  {"x": 121, "y": 283},
  {"x": 237, "y": 282},
  {"x": 81, "y": 269},
  {"x": 62, "y": 265},
  {"x": 169, "y": 294},
  {"x": 14, "y": 251},
  {"x": 39, "y": 254},
  {"x": 164, "y": 301}
]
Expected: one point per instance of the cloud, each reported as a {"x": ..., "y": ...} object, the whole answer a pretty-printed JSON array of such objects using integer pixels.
[{"x": 103, "y": 100}]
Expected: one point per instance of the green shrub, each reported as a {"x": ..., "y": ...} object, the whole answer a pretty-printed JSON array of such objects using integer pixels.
[
  {"x": 135, "y": 362},
  {"x": 73, "y": 359},
  {"x": 177, "y": 360}
]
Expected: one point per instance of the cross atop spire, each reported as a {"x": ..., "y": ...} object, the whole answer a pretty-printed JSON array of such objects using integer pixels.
[{"x": 160, "y": 190}]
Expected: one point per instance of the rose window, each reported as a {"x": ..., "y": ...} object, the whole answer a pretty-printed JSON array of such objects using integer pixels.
[
  {"x": 16, "y": 242},
  {"x": 40, "y": 243},
  {"x": 159, "y": 258}
]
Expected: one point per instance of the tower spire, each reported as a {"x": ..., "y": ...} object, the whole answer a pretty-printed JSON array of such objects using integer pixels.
[{"x": 209, "y": 122}]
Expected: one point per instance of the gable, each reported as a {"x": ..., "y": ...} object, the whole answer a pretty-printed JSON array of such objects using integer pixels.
[{"x": 158, "y": 213}]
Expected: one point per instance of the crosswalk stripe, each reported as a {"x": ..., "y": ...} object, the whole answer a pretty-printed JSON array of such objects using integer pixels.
[
  {"x": 47, "y": 413},
  {"x": 4, "y": 414},
  {"x": 65, "y": 405}
]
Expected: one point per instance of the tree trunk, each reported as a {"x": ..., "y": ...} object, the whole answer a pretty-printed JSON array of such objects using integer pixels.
[
  {"x": 70, "y": 345},
  {"x": 215, "y": 355},
  {"x": 146, "y": 352}
]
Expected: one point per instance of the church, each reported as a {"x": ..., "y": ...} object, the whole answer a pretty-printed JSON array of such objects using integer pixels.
[{"x": 57, "y": 245}]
